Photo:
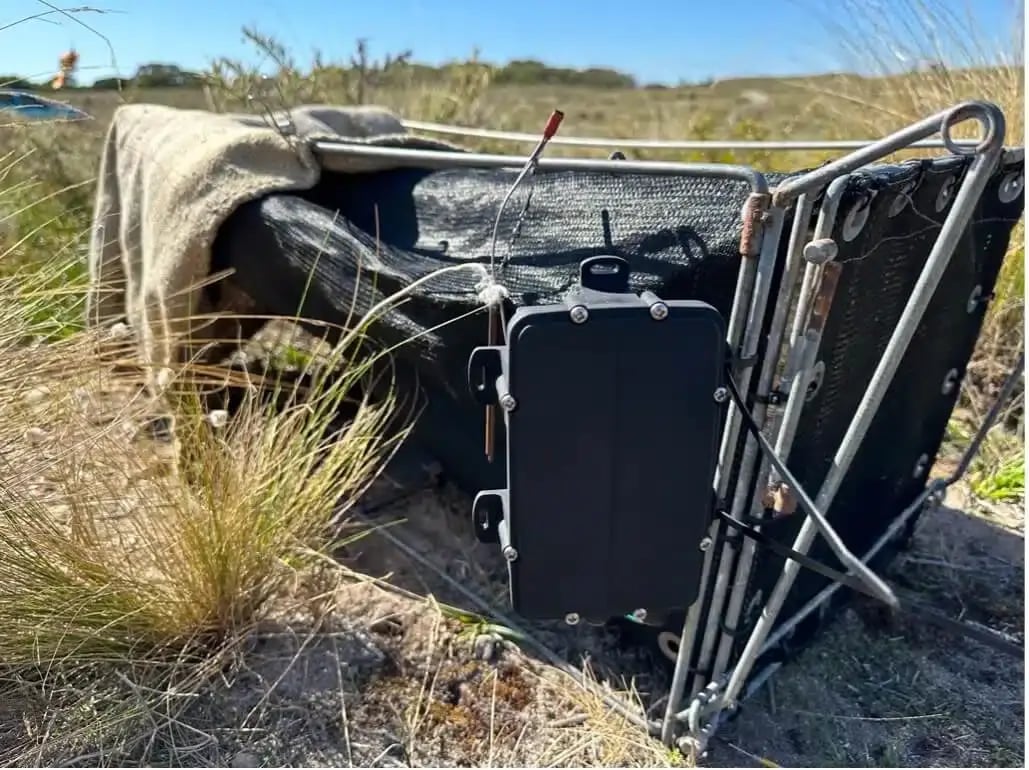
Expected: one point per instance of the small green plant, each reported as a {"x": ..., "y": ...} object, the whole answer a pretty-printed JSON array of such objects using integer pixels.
[
  {"x": 1002, "y": 483},
  {"x": 997, "y": 473}
]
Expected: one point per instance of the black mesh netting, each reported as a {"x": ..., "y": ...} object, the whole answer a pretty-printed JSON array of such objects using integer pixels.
[
  {"x": 880, "y": 267},
  {"x": 357, "y": 238},
  {"x": 364, "y": 236}
]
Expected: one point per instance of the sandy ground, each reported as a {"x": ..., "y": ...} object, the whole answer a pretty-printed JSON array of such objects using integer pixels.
[
  {"x": 385, "y": 674},
  {"x": 876, "y": 692},
  {"x": 870, "y": 691}
]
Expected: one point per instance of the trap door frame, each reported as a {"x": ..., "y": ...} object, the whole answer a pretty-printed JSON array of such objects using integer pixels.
[{"x": 707, "y": 633}]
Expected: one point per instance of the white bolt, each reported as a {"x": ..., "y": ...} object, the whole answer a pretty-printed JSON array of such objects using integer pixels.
[
  {"x": 705, "y": 544},
  {"x": 639, "y": 615},
  {"x": 820, "y": 251},
  {"x": 572, "y": 618},
  {"x": 950, "y": 382},
  {"x": 721, "y": 395},
  {"x": 659, "y": 311},
  {"x": 974, "y": 298},
  {"x": 218, "y": 418},
  {"x": 510, "y": 553},
  {"x": 508, "y": 402},
  {"x": 579, "y": 314}
]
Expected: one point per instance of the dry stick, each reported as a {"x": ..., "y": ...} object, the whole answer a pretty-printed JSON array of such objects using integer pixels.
[
  {"x": 760, "y": 760},
  {"x": 571, "y": 721},
  {"x": 950, "y": 565},
  {"x": 850, "y": 718},
  {"x": 344, "y": 719}
]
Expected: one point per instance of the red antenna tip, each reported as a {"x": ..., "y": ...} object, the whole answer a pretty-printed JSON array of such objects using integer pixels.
[{"x": 553, "y": 122}]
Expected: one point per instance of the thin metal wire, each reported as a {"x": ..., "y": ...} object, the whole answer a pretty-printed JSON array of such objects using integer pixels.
[
  {"x": 330, "y": 152},
  {"x": 786, "y": 145}
]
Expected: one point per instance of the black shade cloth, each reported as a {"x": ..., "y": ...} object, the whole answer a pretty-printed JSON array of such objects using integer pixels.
[
  {"x": 357, "y": 238},
  {"x": 880, "y": 268}
]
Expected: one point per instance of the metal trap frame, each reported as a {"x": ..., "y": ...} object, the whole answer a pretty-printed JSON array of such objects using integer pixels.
[{"x": 779, "y": 316}]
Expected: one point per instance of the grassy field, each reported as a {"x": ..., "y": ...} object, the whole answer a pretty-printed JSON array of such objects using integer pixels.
[{"x": 201, "y": 596}]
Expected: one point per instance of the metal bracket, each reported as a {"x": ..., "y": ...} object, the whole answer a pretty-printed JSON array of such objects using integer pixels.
[
  {"x": 485, "y": 369},
  {"x": 488, "y": 513},
  {"x": 606, "y": 274},
  {"x": 814, "y": 183}
]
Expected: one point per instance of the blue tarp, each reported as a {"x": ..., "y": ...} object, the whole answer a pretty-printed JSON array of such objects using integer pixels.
[{"x": 29, "y": 106}]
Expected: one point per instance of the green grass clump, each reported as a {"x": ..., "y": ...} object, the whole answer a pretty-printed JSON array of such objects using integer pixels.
[{"x": 1003, "y": 483}]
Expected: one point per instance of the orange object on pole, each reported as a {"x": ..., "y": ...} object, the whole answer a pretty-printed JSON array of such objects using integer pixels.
[{"x": 68, "y": 62}]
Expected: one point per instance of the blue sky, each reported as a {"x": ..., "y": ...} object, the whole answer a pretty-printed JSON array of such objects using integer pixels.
[{"x": 656, "y": 40}]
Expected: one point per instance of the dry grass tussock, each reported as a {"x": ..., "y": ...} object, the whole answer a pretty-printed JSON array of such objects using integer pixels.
[{"x": 130, "y": 563}]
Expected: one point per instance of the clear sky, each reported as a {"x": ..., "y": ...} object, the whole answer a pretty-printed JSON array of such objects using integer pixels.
[{"x": 655, "y": 40}]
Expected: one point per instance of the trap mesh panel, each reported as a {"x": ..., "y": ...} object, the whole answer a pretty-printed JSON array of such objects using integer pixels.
[
  {"x": 361, "y": 237},
  {"x": 880, "y": 266}
]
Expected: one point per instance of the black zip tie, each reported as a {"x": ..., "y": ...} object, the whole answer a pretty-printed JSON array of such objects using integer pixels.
[{"x": 774, "y": 398}]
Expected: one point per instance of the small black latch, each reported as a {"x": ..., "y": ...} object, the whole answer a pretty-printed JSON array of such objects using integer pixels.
[
  {"x": 485, "y": 366},
  {"x": 608, "y": 274},
  {"x": 774, "y": 398},
  {"x": 487, "y": 514}
]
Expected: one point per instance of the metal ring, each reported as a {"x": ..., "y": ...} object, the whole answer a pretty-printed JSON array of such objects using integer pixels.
[
  {"x": 815, "y": 383},
  {"x": 974, "y": 299},
  {"x": 989, "y": 117},
  {"x": 668, "y": 644},
  {"x": 921, "y": 466},
  {"x": 945, "y": 194},
  {"x": 950, "y": 382},
  {"x": 856, "y": 218},
  {"x": 1011, "y": 186},
  {"x": 903, "y": 198}
]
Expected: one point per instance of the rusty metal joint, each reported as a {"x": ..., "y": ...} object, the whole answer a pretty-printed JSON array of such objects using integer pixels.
[
  {"x": 781, "y": 198},
  {"x": 755, "y": 211},
  {"x": 780, "y": 499}
]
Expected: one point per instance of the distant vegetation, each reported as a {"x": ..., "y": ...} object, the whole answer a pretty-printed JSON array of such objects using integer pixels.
[{"x": 404, "y": 71}]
